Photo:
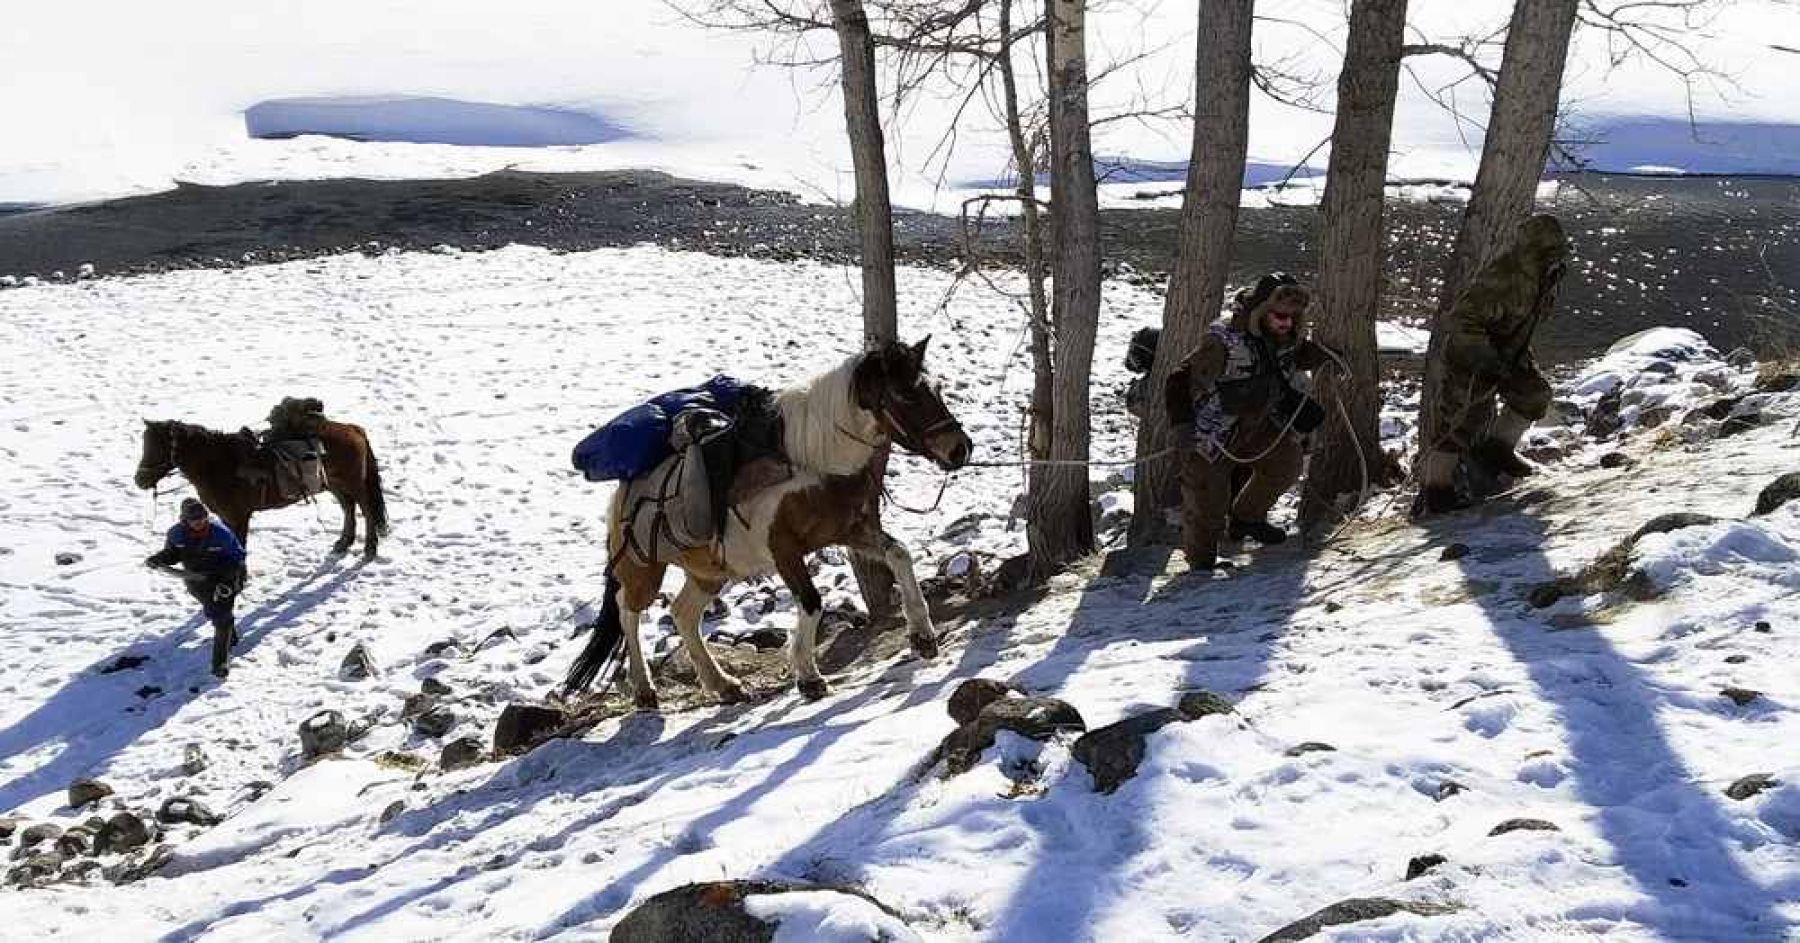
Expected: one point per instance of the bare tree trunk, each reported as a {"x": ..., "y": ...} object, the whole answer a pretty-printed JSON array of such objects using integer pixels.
[
  {"x": 875, "y": 226},
  {"x": 1042, "y": 370},
  {"x": 1351, "y": 255},
  {"x": 1512, "y": 162},
  {"x": 1062, "y": 527},
  {"x": 1209, "y": 211}
]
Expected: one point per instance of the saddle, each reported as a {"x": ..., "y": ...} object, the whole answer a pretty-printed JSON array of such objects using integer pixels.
[
  {"x": 717, "y": 463},
  {"x": 290, "y": 455}
]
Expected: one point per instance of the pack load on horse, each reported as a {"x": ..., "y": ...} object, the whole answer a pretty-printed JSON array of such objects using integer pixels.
[
  {"x": 799, "y": 474},
  {"x": 1140, "y": 354},
  {"x": 290, "y": 453},
  {"x": 235, "y": 476}
]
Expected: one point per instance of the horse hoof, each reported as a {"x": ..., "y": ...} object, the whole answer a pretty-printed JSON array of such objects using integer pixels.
[
  {"x": 814, "y": 689},
  {"x": 221, "y": 672},
  {"x": 924, "y": 646},
  {"x": 646, "y": 703},
  {"x": 731, "y": 692},
  {"x": 338, "y": 550}
]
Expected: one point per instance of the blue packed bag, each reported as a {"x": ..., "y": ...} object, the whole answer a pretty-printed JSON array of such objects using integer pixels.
[{"x": 637, "y": 440}]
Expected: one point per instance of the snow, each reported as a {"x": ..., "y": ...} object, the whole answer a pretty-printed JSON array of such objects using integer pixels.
[
  {"x": 475, "y": 373},
  {"x": 825, "y": 917},
  {"x": 113, "y": 98}
]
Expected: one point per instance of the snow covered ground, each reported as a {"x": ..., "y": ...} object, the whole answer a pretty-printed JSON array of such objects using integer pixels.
[
  {"x": 110, "y": 97},
  {"x": 475, "y": 374}
]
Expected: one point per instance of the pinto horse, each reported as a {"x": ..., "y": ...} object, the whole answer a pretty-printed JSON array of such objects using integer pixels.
[
  {"x": 833, "y": 426},
  {"x": 215, "y": 462}
]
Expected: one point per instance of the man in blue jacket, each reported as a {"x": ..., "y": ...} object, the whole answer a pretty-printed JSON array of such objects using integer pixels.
[{"x": 212, "y": 561}]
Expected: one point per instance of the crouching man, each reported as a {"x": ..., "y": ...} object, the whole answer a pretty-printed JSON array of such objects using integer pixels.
[
  {"x": 212, "y": 564},
  {"x": 1487, "y": 354},
  {"x": 1233, "y": 406}
]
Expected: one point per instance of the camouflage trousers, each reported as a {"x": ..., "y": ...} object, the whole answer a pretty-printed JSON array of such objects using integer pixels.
[{"x": 1466, "y": 403}]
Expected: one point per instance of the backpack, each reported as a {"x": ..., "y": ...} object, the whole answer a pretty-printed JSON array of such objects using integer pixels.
[{"x": 636, "y": 441}]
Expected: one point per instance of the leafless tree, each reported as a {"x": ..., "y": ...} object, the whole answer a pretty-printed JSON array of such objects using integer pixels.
[
  {"x": 1209, "y": 210},
  {"x": 1351, "y": 255}
]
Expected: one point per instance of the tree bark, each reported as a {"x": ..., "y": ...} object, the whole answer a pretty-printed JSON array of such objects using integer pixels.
[
  {"x": 1351, "y": 255},
  {"x": 1061, "y": 528},
  {"x": 1209, "y": 212},
  {"x": 875, "y": 227},
  {"x": 1512, "y": 162}
]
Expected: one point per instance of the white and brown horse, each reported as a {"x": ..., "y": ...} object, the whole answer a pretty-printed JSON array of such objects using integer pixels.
[{"x": 832, "y": 428}]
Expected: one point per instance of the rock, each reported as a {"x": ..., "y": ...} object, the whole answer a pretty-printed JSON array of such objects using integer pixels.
[
  {"x": 148, "y": 691},
  {"x": 402, "y": 760},
  {"x": 1617, "y": 460},
  {"x": 1112, "y": 753},
  {"x": 1448, "y": 788},
  {"x": 720, "y": 912},
  {"x": 502, "y": 634},
  {"x": 1741, "y": 357},
  {"x": 393, "y": 811},
  {"x": 1036, "y": 718},
  {"x": 766, "y": 639},
  {"x": 1740, "y": 696},
  {"x": 1545, "y": 595},
  {"x": 1750, "y": 785},
  {"x": 67, "y": 559},
  {"x": 36, "y": 871},
  {"x": 461, "y": 753},
  {"x": 1777, "y": 493},
  {"x": 1354, "y": 910},
  {"x": 74, "y": 843},
  {"x": 1673, "y": 521},
  {"x": 78, "y": 872},
  {"x": 443, "y": 648},
  {"x": 193, "y": 759},
  {"x": 434, "y": 722},
  {"x": 1776, "y": 381},
  {"x": 432, "y": 687},
  {"x": 1527, "y": 825},
  {"x": 84, "y": 792},
  {"x": 1655, "y": 416},
  {"x": 7, "y": 827},
  {"x": 417, "y": 704},
  {"x": 1736, "y": 659},
  {"x": 1764, "y": 628},
  {"x": 138, "y": 868},
  {"x": 123, "y": 832},
  {"x": 1197, "y": 704},
  {"x": 523, "y": 726},
  {"x": 1454, "y": 552},
  {"x": 125, "y": 663},
  {"x": 963, "y": 528},
  {"x": 1310, "y": 746},
  {"x": 41, "y": 832},
  {"x": 1421, "y": 864},
  {"x": 974, "y": 694},
  {"x": 358, "y": 664},
  {"x": 322, "y": 733},
  {"x": 1604, "y": 420},
  {"x": 179, "y": 809}
]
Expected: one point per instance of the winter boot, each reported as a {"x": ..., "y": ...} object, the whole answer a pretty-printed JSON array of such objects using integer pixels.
[
  {"x": 1260, "y": 531},
  {"x": 1438, "y": 493},
  {"x": 1495, "y": 452}
]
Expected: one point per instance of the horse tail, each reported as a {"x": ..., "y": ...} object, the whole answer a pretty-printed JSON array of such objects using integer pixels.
[
  {"x": 378, "y": 518},
  {"x": 608, "y": 633}
]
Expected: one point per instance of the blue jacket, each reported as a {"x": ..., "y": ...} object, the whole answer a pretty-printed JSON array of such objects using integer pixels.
[{"x": 216, "y": 551}]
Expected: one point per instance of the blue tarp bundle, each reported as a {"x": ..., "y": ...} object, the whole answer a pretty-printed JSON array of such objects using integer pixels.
[{"x": 636, "y": 440}]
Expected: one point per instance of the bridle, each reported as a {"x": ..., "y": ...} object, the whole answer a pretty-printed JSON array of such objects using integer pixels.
[
  {"x": 161, "y": 472},
  {"x": 915, "y": 438}
]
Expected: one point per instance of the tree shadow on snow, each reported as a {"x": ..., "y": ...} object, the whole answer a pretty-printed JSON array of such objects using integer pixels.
[
  {"x": 97, "y": 714},
  {"x": 1668, "y": 832}
]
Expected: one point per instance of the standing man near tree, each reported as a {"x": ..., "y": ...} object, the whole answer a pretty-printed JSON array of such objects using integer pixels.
[
  {"x": 1487, "y": 353},
  {"x": 212, "y": 561}
]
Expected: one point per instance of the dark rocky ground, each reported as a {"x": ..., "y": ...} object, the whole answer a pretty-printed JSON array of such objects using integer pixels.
[{"x": 1719, "y": 255}]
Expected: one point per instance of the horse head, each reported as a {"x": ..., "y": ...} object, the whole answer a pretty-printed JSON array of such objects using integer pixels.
[
  {"x": 158, "y": 456},
  {"x": 891, "y": 382}
]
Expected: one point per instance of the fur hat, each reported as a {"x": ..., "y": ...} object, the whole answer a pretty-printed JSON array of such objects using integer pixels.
[{"x": 192, "y": 511}]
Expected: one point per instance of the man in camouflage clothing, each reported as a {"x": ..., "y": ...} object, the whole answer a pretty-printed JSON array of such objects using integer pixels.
[{"x": 1487, "y": 354}]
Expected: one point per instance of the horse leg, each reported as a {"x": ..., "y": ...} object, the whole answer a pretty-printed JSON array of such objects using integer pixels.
[
  {"x": 347, "y": 533},
  {"x": 637, "y": 587},
  {"x": 791, "y": 565},
  {"x": 919, "y": 630},
  {"x": 689, "y": 606}
]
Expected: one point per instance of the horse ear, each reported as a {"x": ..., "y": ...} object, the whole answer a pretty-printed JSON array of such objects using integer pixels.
[{"x": 918, "y": 350}]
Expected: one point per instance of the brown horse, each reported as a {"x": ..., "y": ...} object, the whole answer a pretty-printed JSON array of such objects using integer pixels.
[
  {"x": 832, "y": 428},
  {"x": 216, "y": 462}
]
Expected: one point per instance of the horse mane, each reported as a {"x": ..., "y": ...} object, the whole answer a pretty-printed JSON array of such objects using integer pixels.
[{"x": 824, "y": 430}]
